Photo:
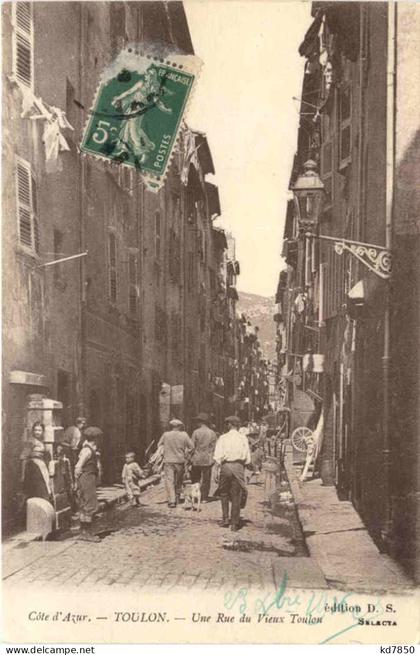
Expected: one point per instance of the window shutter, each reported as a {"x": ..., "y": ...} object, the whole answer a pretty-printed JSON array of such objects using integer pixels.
[
  {"x": 132, "y": 274},
  {"x": 23, "y": 43},
  {"x": 24, "y": 17},
  {"x": 157, "y": 235},
  {"x": 36, "y": 235},
  {"x": 26, "y": 204},
  {"x": 327, "y": 159},
  {"x": 345, "y": 126},
  {"x": 118, "y": 25}
]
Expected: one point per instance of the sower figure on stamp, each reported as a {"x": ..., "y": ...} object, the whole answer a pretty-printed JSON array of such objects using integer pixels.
[
  {"x": 86, "y": 473},
  {"x": 231, "y": 456},
  {"x": 204, "y": 440},
  {"x": 132, "y": 137},
  {"x": 177, "y": 448}
]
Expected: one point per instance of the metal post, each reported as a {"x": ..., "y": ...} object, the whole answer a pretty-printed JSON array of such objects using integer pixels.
[
  {"x": 63, "y": 259},
  {"x": 389, "y": 189}
]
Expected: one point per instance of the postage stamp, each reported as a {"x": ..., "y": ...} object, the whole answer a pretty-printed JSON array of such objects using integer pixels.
[{"x": 137, "y": 113}]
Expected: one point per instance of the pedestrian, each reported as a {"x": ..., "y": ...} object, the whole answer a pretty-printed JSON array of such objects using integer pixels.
[
  {"x": 73, "y": 435},
  {"x": 131, "y": 476},
  {"x": 231, "y": 456},
  {"x": 204, "y": 441},
  {"x": 35, "y": 461},
  {"x": 257, "y": 457},
  {"x": 263, "y": 431},
  {"x": 86, "y": 473},
  {"x": 63, "y": 476},
  {"x": 177, "y": 448}
]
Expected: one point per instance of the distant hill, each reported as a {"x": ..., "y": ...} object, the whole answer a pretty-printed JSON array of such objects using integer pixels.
[{"x": 260, "y": 311}]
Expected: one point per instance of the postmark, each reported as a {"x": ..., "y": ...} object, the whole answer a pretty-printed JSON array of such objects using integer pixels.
[{"x": 136, "y": 116}]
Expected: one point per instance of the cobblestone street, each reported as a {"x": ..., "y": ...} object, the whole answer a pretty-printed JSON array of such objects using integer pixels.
[{"x": 156, "y": 547}]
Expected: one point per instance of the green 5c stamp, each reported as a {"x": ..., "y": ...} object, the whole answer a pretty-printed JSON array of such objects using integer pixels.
[{"x": 138, "y": 109}]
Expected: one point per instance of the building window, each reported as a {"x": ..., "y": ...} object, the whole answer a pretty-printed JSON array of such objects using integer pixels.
[
  {"x": 125, "y": 178},
  {"x": 190, "y": 209},
  {"x": 327, "y": 159},
  {"x": 190, "y": 271},
  {"x": 157, "y": 235},
  {"x": 23, "y": 44},
  {"x": 308, "y": 272},
  {"x": 190, "y": 348},
  {"x": 345, "y": 126},
  {"x": 117, "y": 25},
  {"x": 160, "y": 325},
  {"x": 174, "y": 249},
  {"x": 176, "y": 209},
  {"x": 28, "y": 227},
  {"x": 176, "y": 328},
  {"x": 132, "y": 286},
  {"x": 58, "y": 254},
  {"x": 112, "y": 267},
  {"x": 201, "y": 245},
  {"x": 63, "y": 394},
  {"x": 70, "y": 104}
]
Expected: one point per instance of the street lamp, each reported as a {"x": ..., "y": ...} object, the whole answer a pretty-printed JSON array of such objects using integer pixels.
[{"x": 309, "y": 193}]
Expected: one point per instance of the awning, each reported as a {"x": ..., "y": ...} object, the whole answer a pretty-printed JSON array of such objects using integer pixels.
[
  {"x": 219, "y": 237},
  {"x": 232, "y": 293},
  {"x": 310, "y": 44},
  {"x": 233, "y": 267},
  {"x": 204, "y": 154},
  {"x": 212, "y": 193}
]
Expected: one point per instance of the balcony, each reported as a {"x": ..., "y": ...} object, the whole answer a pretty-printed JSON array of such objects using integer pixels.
[{"x": 291, "y": 252}]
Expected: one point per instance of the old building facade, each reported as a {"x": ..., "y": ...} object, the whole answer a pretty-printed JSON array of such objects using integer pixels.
[
  {"x": 125, "y": 332},
  {"x": 340, "y": 313}
]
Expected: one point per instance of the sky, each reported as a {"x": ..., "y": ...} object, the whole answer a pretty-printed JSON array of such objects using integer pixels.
[{"x": 244, "y": 103}]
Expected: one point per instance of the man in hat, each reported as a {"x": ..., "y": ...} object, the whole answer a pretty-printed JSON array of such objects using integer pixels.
[
  {"x": 231, "y": 456},
  {"x": 204, "y": 441},
  {"x": 73, "y": 436},
  {"x": 86, "y": 473},
  {"x": 177, "y": 448}
]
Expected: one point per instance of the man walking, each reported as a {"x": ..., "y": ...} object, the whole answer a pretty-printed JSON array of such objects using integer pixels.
[
  {"x": 231, "y": 456},
  {"x": 204, "y": 441},
  {"x": 177, "y": 448}
]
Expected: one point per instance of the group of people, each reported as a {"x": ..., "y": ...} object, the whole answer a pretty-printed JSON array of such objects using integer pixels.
[
  {"x": 76, "y": 461},
  {"x": 229, "y": 454},
  {"x": 225, "y": 458}
]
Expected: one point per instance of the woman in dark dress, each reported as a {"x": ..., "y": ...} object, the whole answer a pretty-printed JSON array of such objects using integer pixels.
[{"x": 35, "y": 458}]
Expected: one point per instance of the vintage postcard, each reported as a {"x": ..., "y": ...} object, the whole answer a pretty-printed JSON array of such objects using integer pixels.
[{"x": 210, "y": 322}]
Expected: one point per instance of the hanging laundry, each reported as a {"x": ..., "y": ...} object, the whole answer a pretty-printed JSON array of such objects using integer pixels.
[
  {"x": 55, "y": 123},
  {"x": 300, "y": 303},
  {"x": 189, "y": 151}
]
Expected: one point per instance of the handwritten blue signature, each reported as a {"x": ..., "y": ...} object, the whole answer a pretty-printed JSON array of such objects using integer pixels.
[{"x": 314, "y": 605}]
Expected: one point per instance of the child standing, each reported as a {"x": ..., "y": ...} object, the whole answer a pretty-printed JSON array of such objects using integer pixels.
[{"x": 131, "y": 474}]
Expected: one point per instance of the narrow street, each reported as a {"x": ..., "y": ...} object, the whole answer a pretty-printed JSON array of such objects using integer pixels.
[{"x": 156, "y": 547}]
